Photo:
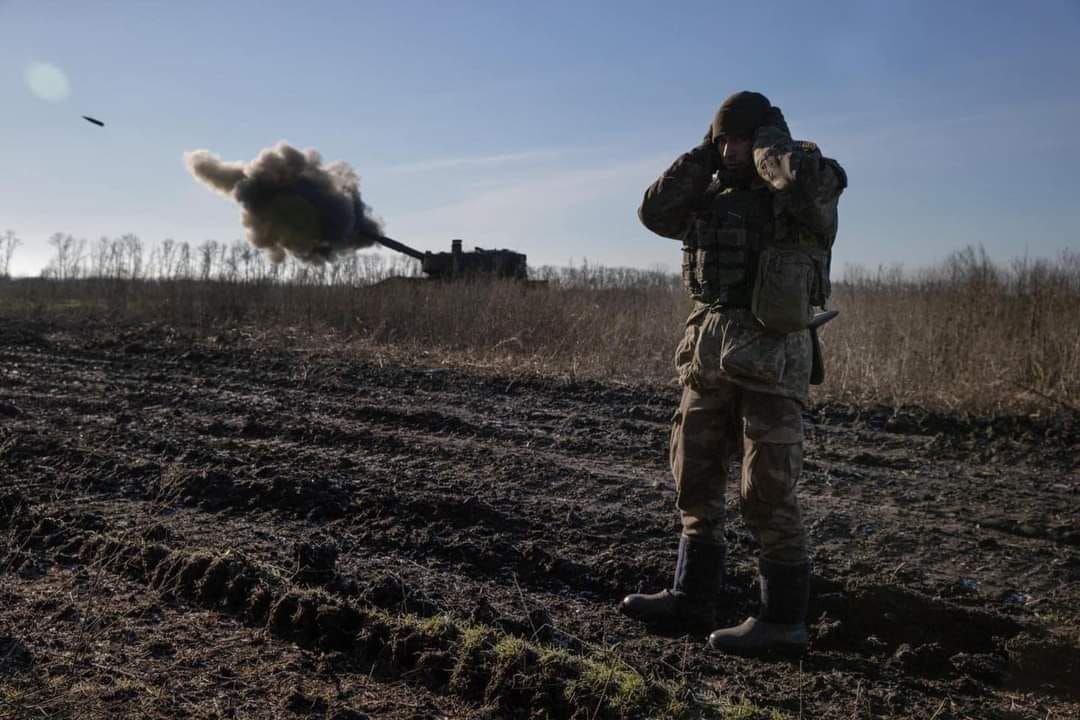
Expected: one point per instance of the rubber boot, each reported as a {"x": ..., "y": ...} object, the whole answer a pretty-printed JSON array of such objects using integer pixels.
[
  {"x": 780, "y": 627},
  {"x": 691, "y": 601}
]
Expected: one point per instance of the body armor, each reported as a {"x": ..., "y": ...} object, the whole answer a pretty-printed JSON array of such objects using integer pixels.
[
  {"x": 744, "y": 234},
  {"x": 756, "y": 256},
  {"x": 722, "y": 243}
]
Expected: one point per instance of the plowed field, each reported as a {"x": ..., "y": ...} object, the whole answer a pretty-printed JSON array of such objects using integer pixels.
[{"x": 203, "y": 527}]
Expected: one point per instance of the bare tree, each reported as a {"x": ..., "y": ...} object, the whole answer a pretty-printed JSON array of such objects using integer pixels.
[
  {"x": 99, "y": 258},
  {"x": 8, "y": 242},
  {"x": 232, "y": 261},
  {"x": 165, "y": 255},
  {"x": 222, "y": 252},
  {"x": 207, "y": 253},
  {"x": 117, "y": 261},
  {"x": 133, "y": 249},
  {"x": 183, "y": 261},
  {"x": 69, "y": 255}
]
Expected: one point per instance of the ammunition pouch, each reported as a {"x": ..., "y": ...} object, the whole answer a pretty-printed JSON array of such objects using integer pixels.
[
  {"x": 716, "y": 264},
  {"x": 789, "y": 280}
]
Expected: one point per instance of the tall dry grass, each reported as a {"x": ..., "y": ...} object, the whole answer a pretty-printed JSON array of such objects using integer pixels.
[
  {"x": 969, "y": 334},
  {"x": 617, "y": 333}
]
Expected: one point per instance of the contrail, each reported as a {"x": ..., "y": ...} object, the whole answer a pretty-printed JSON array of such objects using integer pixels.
[{"x": 291, "y": 203}]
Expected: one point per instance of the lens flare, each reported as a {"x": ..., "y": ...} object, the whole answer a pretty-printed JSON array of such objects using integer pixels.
[{"x": 47, "y": 81}]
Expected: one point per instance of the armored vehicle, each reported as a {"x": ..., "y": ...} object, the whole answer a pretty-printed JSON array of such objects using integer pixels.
[{"x": 456, "y": 264}]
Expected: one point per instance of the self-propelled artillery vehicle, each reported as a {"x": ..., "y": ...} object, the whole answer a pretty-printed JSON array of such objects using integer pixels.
[{"x": 456, "y": 265}]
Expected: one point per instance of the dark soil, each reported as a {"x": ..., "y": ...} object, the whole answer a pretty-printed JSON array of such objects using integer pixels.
[{"x": 197, "y": 528}]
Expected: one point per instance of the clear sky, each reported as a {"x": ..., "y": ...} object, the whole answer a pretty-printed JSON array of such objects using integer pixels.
[{"x": 537, "y": 126}]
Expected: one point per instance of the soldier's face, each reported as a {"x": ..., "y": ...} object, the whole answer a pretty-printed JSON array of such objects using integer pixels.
[{"x": 736, "y": 153}]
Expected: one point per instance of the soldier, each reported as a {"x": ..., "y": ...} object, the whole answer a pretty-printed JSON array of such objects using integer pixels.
[{"x": 757, "y": 215}]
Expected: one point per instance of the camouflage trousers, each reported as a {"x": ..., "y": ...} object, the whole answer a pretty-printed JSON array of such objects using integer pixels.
[{"x": 710, "y": 427}]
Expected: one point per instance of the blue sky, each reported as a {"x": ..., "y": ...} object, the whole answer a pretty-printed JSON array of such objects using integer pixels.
[{"x": 537, "y": 126}]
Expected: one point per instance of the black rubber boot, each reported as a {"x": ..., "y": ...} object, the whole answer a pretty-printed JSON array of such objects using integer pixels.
[
  {"x": 780, "y": 627},
  {"x": 691, "y": 602}
]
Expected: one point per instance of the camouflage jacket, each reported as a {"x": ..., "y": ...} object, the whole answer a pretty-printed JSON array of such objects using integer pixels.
[{"x": 792, "y": 201}]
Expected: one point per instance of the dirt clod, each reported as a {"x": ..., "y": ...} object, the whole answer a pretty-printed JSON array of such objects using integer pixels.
[
  {"x": 15, "y": 656},
  {"x": 314, "y": 562}
]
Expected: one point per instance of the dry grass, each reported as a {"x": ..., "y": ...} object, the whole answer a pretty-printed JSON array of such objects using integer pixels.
[{"x": 967, "y": 335}]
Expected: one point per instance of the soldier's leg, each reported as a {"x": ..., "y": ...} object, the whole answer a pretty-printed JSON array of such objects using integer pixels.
[
  {"x": 772, "y": 463},
  {"x": 705, "y": 433},
  {"x": 705, "y": 436}
]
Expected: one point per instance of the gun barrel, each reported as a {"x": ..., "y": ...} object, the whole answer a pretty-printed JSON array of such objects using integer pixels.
[{"x": 401, "y": 248}]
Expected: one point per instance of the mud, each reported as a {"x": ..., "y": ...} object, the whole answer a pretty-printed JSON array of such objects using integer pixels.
[{"x": 435, "y": 542}]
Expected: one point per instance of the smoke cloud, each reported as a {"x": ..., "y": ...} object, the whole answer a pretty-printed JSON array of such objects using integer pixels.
[{"x": 291, "y": 203}]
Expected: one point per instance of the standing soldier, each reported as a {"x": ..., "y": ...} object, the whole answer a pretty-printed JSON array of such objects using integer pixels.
[{"x": 757, "y": 215}]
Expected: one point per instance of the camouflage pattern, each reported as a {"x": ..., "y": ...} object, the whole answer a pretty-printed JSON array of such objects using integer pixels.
[
  {"x": 728, "y": 346},
  {"x": 672, "y": 201},
  {"x": 807, "y": 186},
  {"x": 744, "y": 382},
  {"x": 721, "y": 244},
  {"x": 708, "y": 431},
  {"x": 792, "y": 202},
  {"x": 806, "y": 191}
]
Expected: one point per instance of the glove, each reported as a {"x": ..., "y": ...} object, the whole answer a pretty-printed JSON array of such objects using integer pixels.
[
  {"x": 707, "y": 154},
  {"x": 774, "y": 119}
]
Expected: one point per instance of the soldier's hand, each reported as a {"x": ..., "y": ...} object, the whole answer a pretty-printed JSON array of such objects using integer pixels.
[
  {"x": 775, "y": 119},
  {"x": 707, "y": 154}
]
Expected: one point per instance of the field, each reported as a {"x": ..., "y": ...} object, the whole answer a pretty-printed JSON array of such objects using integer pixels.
[
  {"x": 251, "y": 499},
  {"x": 234, "y": 526}
]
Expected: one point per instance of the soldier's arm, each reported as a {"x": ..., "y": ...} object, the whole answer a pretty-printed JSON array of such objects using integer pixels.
[
  {"x": 810, "y": 182},
  {"x": 670, "y": 202}
]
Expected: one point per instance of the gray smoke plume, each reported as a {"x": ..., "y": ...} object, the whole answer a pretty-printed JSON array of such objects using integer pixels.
[{"x": 292, "y": 203}]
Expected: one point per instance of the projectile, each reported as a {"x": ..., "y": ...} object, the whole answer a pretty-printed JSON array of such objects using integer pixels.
[
  {"x": 97, "y": 122},
  {"x": 822, "y": 317}
]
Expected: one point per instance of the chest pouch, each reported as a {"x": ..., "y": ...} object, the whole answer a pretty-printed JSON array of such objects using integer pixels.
[{"x": 787, "y": 280}]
